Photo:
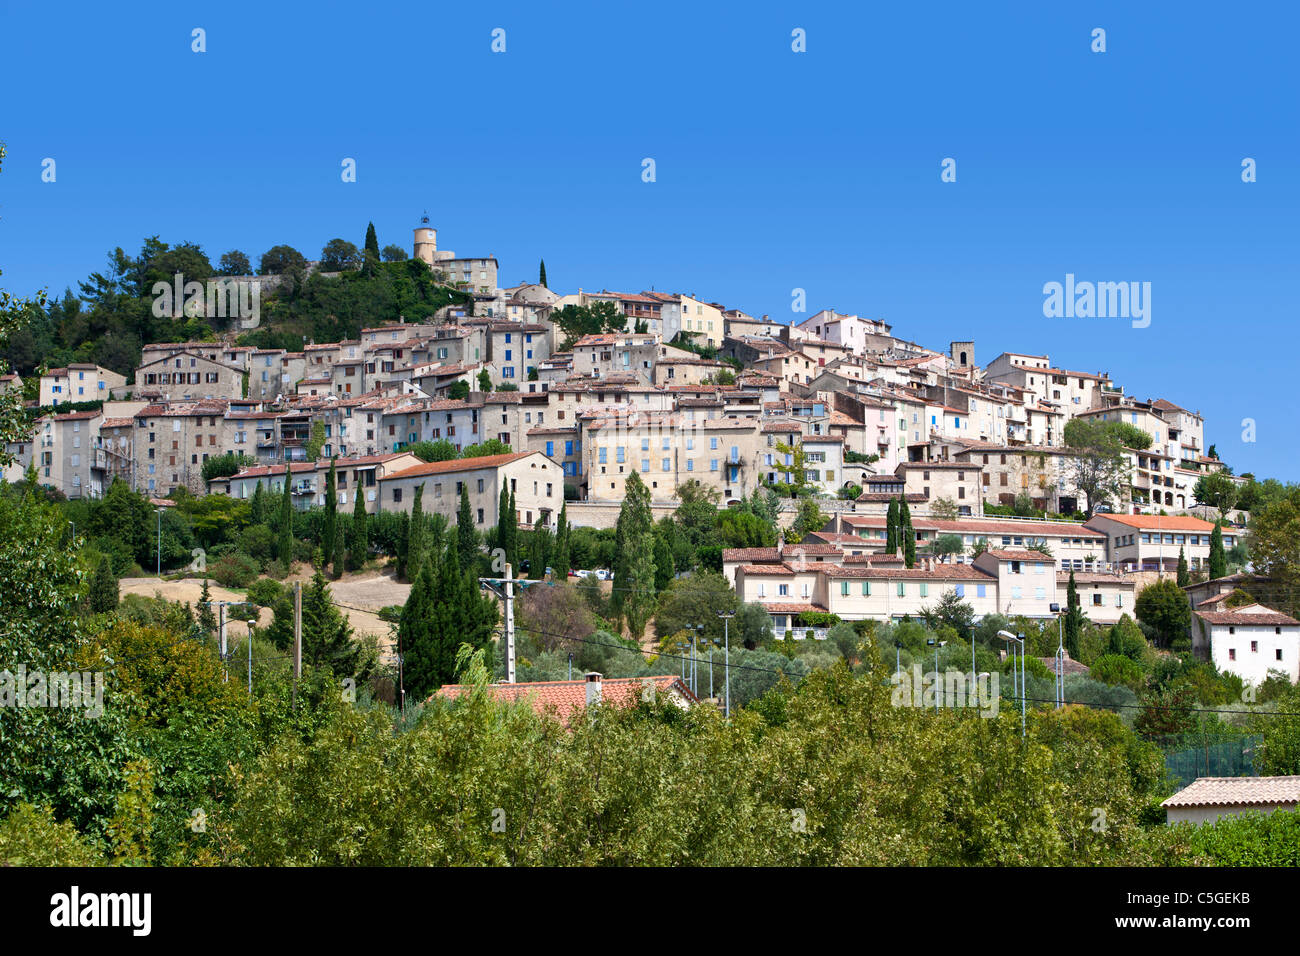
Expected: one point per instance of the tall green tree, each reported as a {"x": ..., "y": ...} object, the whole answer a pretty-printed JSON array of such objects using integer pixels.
[
  {"x": 907, "y": 533},
  {"x": 416, "y": 548},
  {"x": 358, "y": 532},
  {"x": 634, "y": 562},
  {"x": 326, "y": 634},
  {"x": 1218, "y": 558},
  {"x": 891, "y": 527},
  {"x": 1163, "y": 606},
  {"x": 1184, "y": 576},
  {"x": 207, "y": 617},
  {"x": 466, "y": 533},
  {"x": 541, "y": 274},
  {"x": 329, "y": 533},
  {"x": 257, "y": 509},
  {"x": 445, "y": 609},
  {"x": 103, "y": 595},
  {"x": 1073, "y": 624},
  {"x": 560, "y": 560},
  {"x": 284, "y": 551}
]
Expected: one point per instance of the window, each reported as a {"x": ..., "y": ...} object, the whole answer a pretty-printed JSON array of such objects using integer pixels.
[
  {"x": 844, "y": 588},
  {"x": 902, "y": 589},
  {"x": 1254, "y": 647},
  {"x": 397, "y": 494},
  {"x": 1232, "y": 653}
]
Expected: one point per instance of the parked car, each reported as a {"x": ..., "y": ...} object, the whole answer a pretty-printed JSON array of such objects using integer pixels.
[{"x": 602, "y": 574}]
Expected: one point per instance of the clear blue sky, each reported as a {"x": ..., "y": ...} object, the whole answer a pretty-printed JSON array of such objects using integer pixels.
[{"x": 775, "y": 170}]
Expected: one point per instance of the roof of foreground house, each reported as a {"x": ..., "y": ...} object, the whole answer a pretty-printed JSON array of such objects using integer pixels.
[
  {"x": 1236, "y": 791},
  {"x": 567, "y": 696}
]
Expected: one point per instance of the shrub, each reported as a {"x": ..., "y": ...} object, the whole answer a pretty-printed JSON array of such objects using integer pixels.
[
  {"x": 1118, "y": 669},
  {"x": 234, "y": 570},
  {"x": 264, "y": 592}
]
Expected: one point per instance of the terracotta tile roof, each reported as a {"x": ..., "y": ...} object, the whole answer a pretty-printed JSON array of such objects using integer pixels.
[
  {"x": 1158, "y": 522},
  {"x": 563, "y": 697},
  {"x": 793, "y": 608},
  {"x": 749, "y": 554},
  {"x": 777, "y": 569},
  {"x": 1251, "y": 615},
  {"x": 458, "y": 464},
  {"x": 1012, "y": 554},
  {"x": 1236, "y": 791},
  {"x": 941, "y": 572}
]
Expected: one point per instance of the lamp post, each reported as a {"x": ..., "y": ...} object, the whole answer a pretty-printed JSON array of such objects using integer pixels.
[
  {"x": 159, "y": 513},
  {"x": 938, "y": 681},
  {"x": 1060, "y": 656},
  {"x": 898, "y": 656},
  {"x": 1020, "y": 676},
  {"x": 726, "y": 650}
]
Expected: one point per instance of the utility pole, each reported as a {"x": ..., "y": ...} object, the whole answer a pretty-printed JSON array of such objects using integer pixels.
[
  {"x": 159, "y": 511},
  {"x": 726, "y": 637},
  {"x": 250, "y": 658},
  {"x": 221, "y": 637},
  {"x": 297, "y": 638},
  {"x": 504, "y": 588}
]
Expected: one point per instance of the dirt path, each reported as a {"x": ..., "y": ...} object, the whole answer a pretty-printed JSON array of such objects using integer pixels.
[{"x": 359, "y": 597}]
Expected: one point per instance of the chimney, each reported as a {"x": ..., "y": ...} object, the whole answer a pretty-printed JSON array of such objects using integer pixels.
[{"x": 593, "y": 687}]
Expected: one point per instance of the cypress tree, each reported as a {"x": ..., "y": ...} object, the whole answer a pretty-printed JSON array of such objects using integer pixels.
[
  {"x": 1218, "y": 558},
  {"x": 560, "y": 559},
  {"x": 1073, "y": 619},
  {"x": 444, "y": 610},
  {"x": 503, "y": 532},
  {"x": 511, "y": 543},
  {"x": 372, "y": 240},
  {"x": 891, "y": 527},
  {"x": 358, "y": 533},
  {"x": 539, "y": 552},
  {"x": 207, "y": 617},
  {"x": 907, "y": 533},
  {"x": 103, "y": 595},
  {"x": 285, "y": 550},
  {"x": 329, "y": 535},
  {"x": 634, "y": 561},
  {"x": 326, "y": 634},
  {"x": 541, "y": 275},
  {"x": 415, "y": 544},
  {"x": 416, "y": 638},
  {"x": 257, "y": 506},
  {"x": 466, "y": 535},
  {"x": 1184, "y": 576}
]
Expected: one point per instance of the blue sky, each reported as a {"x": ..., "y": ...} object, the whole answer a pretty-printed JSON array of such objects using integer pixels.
[{"x": 775, "y": 170}]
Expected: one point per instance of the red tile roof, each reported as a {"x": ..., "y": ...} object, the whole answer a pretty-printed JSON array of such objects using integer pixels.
[
  {"x": 1254, "y": 614},
  {"x": 458, "y": 464},
  {"x": 1158, "y": 522},
  {"x": 563, "y": 697},
  {"x": 1231, "y": 791}
]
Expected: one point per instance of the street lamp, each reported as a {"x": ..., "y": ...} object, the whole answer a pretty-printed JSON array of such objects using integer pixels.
[
  {"x": 1060, "y": 656},
  {"x": 158, "y": 511},
  {"x": 1019, "y": 678},
  {"x": 938, "y": 681},
  {"x": 726, "y": 637}
]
